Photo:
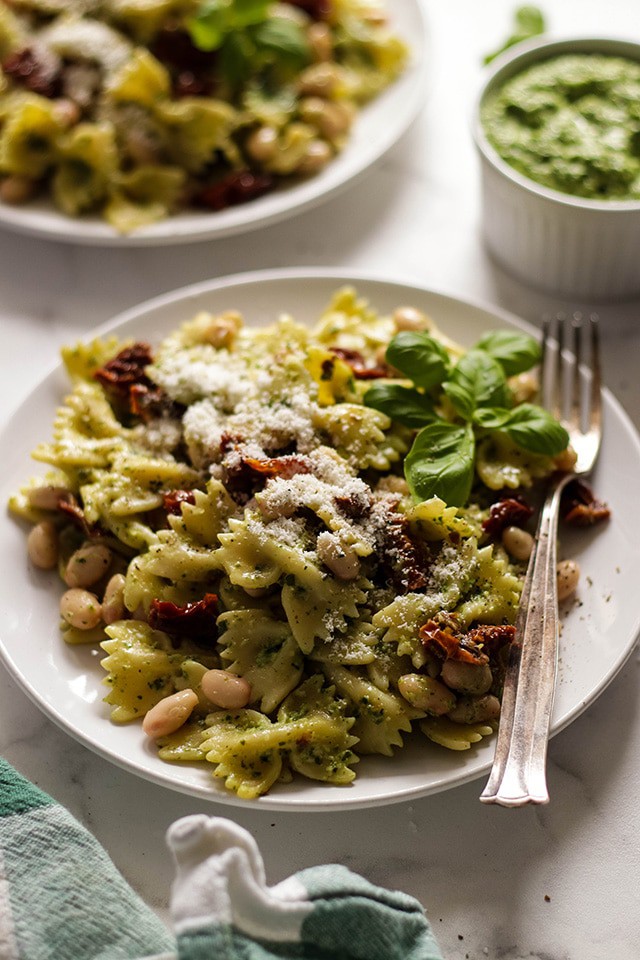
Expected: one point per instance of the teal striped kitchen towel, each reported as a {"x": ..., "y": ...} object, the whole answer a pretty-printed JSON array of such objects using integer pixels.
[{"x": 61, "y": 897}]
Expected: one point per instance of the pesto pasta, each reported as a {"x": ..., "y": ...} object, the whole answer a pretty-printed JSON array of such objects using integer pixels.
[
  {"x": 236, "y": 523},
  {"x": 133, "y": 110}
]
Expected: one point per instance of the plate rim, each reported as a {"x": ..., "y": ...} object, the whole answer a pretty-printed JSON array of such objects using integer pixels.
[
  {"x": 298, "y": 274},
  {"x": 311, "y": 193}
]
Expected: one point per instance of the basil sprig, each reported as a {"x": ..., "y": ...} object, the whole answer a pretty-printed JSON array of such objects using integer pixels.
[
  {"x": 249, "y": 39},
  {"x": 441, "y": 461}
]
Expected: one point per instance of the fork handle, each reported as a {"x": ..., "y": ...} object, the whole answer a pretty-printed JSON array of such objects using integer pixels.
[{"x": 518, "y": 773}]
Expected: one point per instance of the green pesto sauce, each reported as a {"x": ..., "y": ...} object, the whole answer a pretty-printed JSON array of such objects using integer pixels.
[{"x": 571, "y": 123}]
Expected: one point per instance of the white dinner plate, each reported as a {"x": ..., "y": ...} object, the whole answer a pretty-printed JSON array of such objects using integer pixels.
[
  {"x": 65, "y": 682},
  {"x": 378, "y": 126}
]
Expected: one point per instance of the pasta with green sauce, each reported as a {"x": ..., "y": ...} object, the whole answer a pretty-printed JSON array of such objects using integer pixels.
[
  {"x": 243, "y": 531},
  {"x": 133, "y": 110}
]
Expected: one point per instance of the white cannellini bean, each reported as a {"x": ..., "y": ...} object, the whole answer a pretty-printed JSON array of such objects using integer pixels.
[
  {"x": 467, "y": 677},
  {"x": 16, "y": 190},
  {"x": 80, "y": 609},
  {"x": 317, "y": 156},
  {"x": 42, "y": 545},
  {"x": 568, "y": 575},
  {"x": 226, "y": 690},
  {"x": 425, "y": 693},
  {"x": 47, "y": 497},
  {"x": 341, "y": 559},
  {"x": 224, "y": 329},
  {"x": 262, "y": 144},
  {"x": 320, "y": 79},
  {"x": 517, "y": 542},
  {"x": 87, "y": 565},
  {"x": 320, "y": 40},
  {"x": 113, "y": 601},
  {"x": 409, "y": 318},
  {"x": 331, "y": 119},
  {"x": 475, "y": 709},
  {"x": 169, "y": 714}
]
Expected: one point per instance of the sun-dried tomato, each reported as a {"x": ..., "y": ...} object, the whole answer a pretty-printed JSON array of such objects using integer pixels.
[
  {"x": 235, "y": 188},
  {"x": 284, "y": 467},
  {"x": 354, "y": 505},
  {"x": 36, "y": 69},
  {"x": 152, "y": 402},
  {"x": 244, "y": 476},
  {"x": 194, "y": 621},
  {"x": 173, "y": 500},
  {"x": 403, "y": 560},
  {"x": 492, "y": 637},
  {"x": 362, "y": 369},
  {"x": 175, "y": 48},
  {"x": 72, "y": 509},
  {"x": 127, "y": 368},
  {"x": 580, "y": 507},
  {"x": 443, "y": 638},
  {"x": 509, "y": 512}
]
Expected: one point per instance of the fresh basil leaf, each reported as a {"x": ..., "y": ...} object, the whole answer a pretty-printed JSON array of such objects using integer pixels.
[
  {"x": 407, "y": 406},
  {"x": 476, "y": 381},
  {"x": 209, "y": 25},
  {"x": 236, "y": 58},
  {"x": 492, "y": 418},
  {"x": 420, "y": 357},
  {"x": 528, "y": 22},
  {"x": 440, "y": 463},
  {"x": 533, "y": 428},
  {"x": 515, "y": 352},
  {"x": 285, "y": 38},
  {"x": 461, "y": 399},
  {"x": 215, "y": 19}
]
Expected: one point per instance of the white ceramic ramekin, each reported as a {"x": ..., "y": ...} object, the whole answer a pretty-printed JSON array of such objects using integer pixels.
[{"x": 576, "y": 248}]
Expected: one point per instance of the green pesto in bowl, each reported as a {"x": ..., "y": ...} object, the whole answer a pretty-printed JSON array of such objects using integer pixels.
[{"x": 572, "y": 124}]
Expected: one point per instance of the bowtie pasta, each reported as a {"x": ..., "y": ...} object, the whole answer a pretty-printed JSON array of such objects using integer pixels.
[
  {"x": 136, "y": 109},
  {"x": 234, "y": 528}
]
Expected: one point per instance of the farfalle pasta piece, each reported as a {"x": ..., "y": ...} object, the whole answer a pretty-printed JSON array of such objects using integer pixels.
[
  {"x": 361, "y": 435},
  {"x": 350, "y": 322},
  {"x": 381, "y": 716},
  {"x": 86, "y": 165},
  {"x": 86, "y": 432},
  {"x": 495, "y": 593},
  {"x": 82, "y": 360},
  {"x": 311, "y": 732},
  {"x": 30, "y": 136},
  {"x": 434, "y": 520},
  {"x": 500, "y": 463},
  {"x": 454, "y": 736},
  {"x": 197, "y": 128},
  {"x": 141, "y": 668},
  {"x": 141, "y": 79},
  {"x": 256, "y": 646}
]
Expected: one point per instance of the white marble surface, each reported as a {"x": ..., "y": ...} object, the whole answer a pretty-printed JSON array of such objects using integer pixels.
[{"x": 553, "y": 883}]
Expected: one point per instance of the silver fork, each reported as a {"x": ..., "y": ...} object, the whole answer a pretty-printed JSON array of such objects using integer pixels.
[{"x": 518, "y": 774}]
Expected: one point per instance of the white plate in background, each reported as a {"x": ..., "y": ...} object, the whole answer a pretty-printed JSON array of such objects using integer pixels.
[
  {"x": 598, "y": 634},
  {"x": 378, "y": 126}
]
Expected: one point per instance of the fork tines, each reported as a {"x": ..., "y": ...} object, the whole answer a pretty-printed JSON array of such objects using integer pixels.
[{"x": 573, "y": 341}]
